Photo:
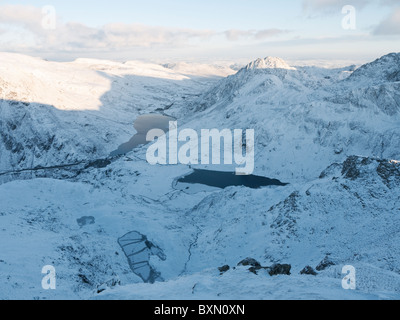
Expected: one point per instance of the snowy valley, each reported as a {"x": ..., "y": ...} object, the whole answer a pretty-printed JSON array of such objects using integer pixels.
[{"x": 116, "y": 227}]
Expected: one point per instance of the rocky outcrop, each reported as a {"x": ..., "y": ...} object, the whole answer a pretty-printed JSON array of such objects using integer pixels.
[
  {"x": 308, "y": 271},
  {"x": 224, "y": 269},
  {"x": 249, "y": 262},
  {"x": 280, "y": 269},
  {"x": 274, "y": 270},
  {"x": 325, "y": 264}
]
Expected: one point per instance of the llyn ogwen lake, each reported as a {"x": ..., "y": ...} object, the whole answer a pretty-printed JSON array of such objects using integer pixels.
[{"x": 143, "y": 125}]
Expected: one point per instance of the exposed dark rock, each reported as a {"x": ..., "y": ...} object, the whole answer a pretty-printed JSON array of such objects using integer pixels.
[
  {"x": 255, "y": 270},
  {"x": 224, "y": 269},
  {"x": 308, "y": 271},
  {"x": 280, "y": 269},
  {"x": 325, "y": 264},
  {"x": 356, "y": 167},
  {"x": 389, "y": 172},
  {"x": 331, "y": 170},
  {"x": 350, "y": 168},
  {"x": 84, "y": 279},
  {"x": 249, "y": 262}
]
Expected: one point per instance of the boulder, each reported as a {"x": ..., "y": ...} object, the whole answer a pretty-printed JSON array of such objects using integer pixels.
[
  {"x": 249, "y": 262},
  {"x": 224, "y": 269},
  {"x": 308, "y": 271},
  {"x": 325, "y": 264},
  {"x": 280, "y": 269}
]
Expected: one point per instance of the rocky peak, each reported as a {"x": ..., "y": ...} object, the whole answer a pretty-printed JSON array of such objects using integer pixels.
[{"x": 269, "y": 63}]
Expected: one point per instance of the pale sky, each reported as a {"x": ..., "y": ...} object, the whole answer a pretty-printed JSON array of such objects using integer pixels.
[{"x": 204, "y": 30}]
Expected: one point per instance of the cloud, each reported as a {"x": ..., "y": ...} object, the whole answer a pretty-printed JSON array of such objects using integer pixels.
[
  {"x": 69, "y": 36},
  {"x": 235, "y": 35},
  {"x": 390, "y": 2},
  {"x": 389, "y": 26},
  {"x": 118, "y": 35},
  {"x": 334, "y": 6},
  {"x": 28, "y": 17},
  {"x": 78, "y": 37},
  {"x": 331, "y": 6}
]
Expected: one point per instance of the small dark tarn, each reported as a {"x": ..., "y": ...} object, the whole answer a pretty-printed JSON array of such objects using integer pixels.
[
  {"x": 223, "y": 180},
  {"x": 86, "y": 221}
]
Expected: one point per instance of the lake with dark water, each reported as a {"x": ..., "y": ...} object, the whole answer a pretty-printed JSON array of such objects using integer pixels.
[
  {"x": 215, "y": 179},
  {"x": 143, "y": 125},
  {"x": 220, "y": 179}
]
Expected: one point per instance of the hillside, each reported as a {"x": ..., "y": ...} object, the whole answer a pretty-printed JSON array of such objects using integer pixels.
[{"x": 113, "y": 227}]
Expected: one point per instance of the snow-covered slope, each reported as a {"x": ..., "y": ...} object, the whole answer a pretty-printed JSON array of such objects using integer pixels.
[
  {"x": 306, "y": 118},
  {"x": 331, "y": 133},
  {"x": 385, "y": 69},
  {"x": 349, "y": 214},
  {"x": 221, "y": 69},
  {"x": 61, "y": 113}
]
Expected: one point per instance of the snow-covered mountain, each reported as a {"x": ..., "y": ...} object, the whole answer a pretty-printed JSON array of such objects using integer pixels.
[
  {"x": 306, "y": 118},
  {"x": 64, "y": 113},
  {"x": 332, "y": 134},
  {"x": 347, "y": 217}
]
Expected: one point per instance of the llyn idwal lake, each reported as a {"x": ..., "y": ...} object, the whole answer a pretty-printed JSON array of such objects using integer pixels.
[{"x": 222, "y": 180}]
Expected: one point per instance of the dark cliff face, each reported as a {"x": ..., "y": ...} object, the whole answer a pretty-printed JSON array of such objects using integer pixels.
[{"x": 364, "y": 168}]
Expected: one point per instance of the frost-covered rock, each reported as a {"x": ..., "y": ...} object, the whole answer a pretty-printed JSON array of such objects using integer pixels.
[{"x": 269, "y": 63}]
